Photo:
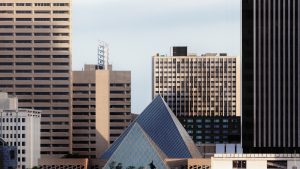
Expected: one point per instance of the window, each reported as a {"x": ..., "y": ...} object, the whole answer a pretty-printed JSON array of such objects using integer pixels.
[
  {"x": 6, "y": 4},
  {"x": 42, "y": 34},
  {"x": 6, "y": 63},
  {"x": 41, "y": 71},
  {"x": 60, "y": 26},
  {"x": 6, "y": 41},
  {"x": 60, "y": 34},
  {"x": 23, "y": 56},
  {"x": 6, "y": 11},
  {"x": 42, "y": 4},
  {"x": 23, "y": 71},
  {"x": 23, "y": 34},
  {"x": 42, "y": 26},
  {"x": 60, "y": 19},
  {"x": 23, "y": 4},
  {"x": 6, "y": 19},
  {"x": 41, "y": 19},
  {"x": 23, "y": 63},
  {"x": 239, "y": 164},
  {"x": 60, "y": 56},
  {"x": 23, "y": 12},
  {"x": 42, "y": 12},
  {"x": 6, "y": 34},
  {"x": 60, "y": 4},
  {"x": 273, "y": 164},
  {"x": 6, "y": 26},
  {"x": 23, "y": 19},
  {"x": 23, "y": 41}
]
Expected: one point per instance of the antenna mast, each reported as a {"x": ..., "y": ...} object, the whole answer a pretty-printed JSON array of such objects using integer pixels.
[{"x": 102, "y": 55}]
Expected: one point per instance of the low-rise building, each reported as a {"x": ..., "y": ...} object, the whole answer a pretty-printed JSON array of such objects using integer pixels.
[
  {"x": 255, "y": 161},
  {"x": 21, "y": 128}
]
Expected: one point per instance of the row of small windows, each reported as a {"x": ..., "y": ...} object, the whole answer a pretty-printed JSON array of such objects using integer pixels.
[
  {"x": 35, "y": 56},
  {"x": 34, "y": 4},
  {"x": 35, "y": 78},
  {"x": 35, "y": 49},
  {"x": 34, "y": 19},
  {"x": 35, "y": 34},
  {"x": 35, "y": 71},
  {"x": 84, "y": 92},
  {"x": 35, "y": 86},
  {"x": 36, "y": 12},
  {"x": 35, "y": 63},
  {"x": 13, "y": 120},
  {"x": 34, "y": 26},
  {"x": 35, "y": 41},
  {"x": 10, "y": 128}
]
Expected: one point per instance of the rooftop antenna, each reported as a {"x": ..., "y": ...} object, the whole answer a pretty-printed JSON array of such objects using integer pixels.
[{"x": 102, "y": 55}]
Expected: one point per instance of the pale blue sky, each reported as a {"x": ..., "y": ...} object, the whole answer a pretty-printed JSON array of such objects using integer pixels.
[{"x": 137, "y": 29}]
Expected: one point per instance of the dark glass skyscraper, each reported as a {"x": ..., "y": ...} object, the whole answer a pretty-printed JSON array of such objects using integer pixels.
[{"x": 270, "y": 76}]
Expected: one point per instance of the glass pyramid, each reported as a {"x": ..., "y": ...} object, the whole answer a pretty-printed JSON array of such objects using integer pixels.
[
  {"x": 164, "y": 129},
  {"x": 137, "y": 150}
]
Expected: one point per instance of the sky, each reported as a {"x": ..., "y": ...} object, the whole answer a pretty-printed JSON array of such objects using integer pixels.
[{"x": 138, "y": 29}]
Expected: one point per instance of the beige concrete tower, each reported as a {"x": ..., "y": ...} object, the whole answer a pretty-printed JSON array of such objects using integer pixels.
[
  {"x": 101, "y": 108},
  {"x": 120, "y": 103},
  {"x": 35, "y": 65},
  {"x": 90, "y": 111}
]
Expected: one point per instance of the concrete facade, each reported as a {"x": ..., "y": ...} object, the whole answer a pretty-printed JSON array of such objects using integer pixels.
[
  {"x": 101, "y": 108},
  {"x": 35, "y": 65},
  {"x": 120, "y": 102},
  {"x": 90, "y": 111},
  {"x": 63, "y": 163}
]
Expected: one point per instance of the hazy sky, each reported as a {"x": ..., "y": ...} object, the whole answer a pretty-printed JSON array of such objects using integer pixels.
[{"x": 137, "y": 29}]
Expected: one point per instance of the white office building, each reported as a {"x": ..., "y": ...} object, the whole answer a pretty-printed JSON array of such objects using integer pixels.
[
  {"x": 21, "y": 128},
  {"x": 255, "y": 161}
]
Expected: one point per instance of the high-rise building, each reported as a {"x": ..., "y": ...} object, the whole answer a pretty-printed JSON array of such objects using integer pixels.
[
  {"x": 90, "y": 111},
  {"x": 21, "y": 128},
  {"x": 120, "y": 102},
  {"x": 203, "y": 92},
  {"x": 101, "y": 108},
  {"x": 35, "y": 65},
  {"x": 270, "y": 76}
]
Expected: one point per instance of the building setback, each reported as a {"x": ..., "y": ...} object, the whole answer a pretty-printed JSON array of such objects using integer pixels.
[
  {"x": 35, "y": 65},
  {"x": 270, "y": 76},
  {"x": 203, "y": 92},
  {"x": 21, "y": 128}
]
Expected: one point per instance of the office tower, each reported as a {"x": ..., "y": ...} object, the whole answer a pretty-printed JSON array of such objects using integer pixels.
[
  {"x": 203, "y": 92},
  {"x": 120, "y": 102},
  {"x": 101, "y": 108},
  {"x": 270, "y": 76},
  {"x": 35, "y": 65},
  {"x": 8, "y": 155},
  {"x": 90, "y": 111},
  {"x": 156, "y": 135},
  {"x": 21, "y": 128}
]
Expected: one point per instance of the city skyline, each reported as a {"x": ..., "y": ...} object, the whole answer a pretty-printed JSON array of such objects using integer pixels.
[{"x": 133, "y": 30}]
